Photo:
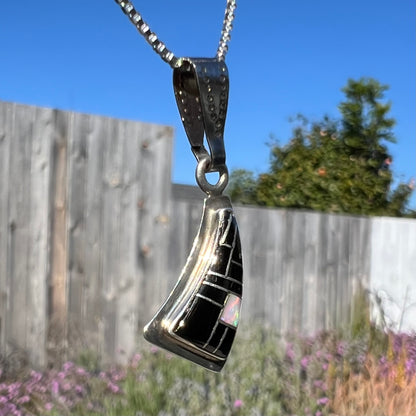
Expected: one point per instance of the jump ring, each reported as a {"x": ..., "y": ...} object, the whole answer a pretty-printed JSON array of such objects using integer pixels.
[{"x": 200, "y": 174}]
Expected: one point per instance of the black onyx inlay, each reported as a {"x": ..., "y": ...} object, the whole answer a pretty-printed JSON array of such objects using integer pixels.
[
  {"x": 235, "y": 271},
  {"x": 227, "y": 343},
  {"x": 216, "y": 337},
  {"x": 197, "y": 324},
  {"x": 221, "y": 340},
  {"x": 217, "y": 295},
  {"x": 227, "y": 284}
]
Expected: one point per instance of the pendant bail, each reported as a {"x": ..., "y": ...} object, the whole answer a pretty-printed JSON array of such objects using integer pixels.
[{"x": 201, "y": 88}]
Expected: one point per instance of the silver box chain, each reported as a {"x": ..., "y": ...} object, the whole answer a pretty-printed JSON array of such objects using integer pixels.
[{"x": 160, "y": 48}]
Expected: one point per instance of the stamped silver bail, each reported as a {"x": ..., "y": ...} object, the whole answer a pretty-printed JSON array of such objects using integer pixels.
[{"x": 201, "y": 88}]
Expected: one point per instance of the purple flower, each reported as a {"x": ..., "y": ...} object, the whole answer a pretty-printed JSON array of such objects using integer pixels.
[
  {"x": 55, "y": 387},
  {"x": 410, "y": 366},
  {"x": 398, "y": 342},
  {"x": 304, "y": 362},
  {"x": 68, "y": 366},
  {"x": 319, "y": 384},
  {"x": 81, "y": 371},
  {"x": 66, "y": 386},
  {"x": 13, "y": 390},
  {"x": 341, "y": 348},
  {"x": 238, "y": 403},
  {"x": 79, "y": 389},
  {"x": 290, "y": 353},
  {"x": 411, "y": 346},
  {"x": 318, "y": 413},
  {"x": 41, "y": 389},
  {"x": 48, "y": 406},
  {"x": 118, "y": 375},
  {"x": 322, "y": 401},
  {"x": 36, "y": 375},
  {"x": 135, "y": 360},
  {"x": 113, "y": 387},
  {"x": 23, "y": 399}
]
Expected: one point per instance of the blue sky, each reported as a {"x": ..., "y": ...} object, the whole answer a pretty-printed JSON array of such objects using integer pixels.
[{"x": 285, "y": 57}]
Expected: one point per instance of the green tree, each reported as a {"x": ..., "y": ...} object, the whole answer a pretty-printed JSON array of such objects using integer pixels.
[
  {"x": 333, "y": 165},
  {"x": 365, "y": 121},
  {"x": 243, "y": 187}
]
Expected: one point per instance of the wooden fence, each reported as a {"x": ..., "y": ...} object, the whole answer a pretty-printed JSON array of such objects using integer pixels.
[
  {"x": 82, "y": 232},
  {"x": 93, "y": 237}
]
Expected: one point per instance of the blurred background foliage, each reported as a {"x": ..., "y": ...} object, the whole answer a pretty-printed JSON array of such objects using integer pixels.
[{"x": 333, "y": 165}]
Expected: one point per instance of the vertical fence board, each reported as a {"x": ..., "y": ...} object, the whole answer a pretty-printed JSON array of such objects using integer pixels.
[
  {"x": 6, "y": 129},
  {"x": 154, "y": 218},
  {"x": 57, "y": 328},
  {"x": 320, "y": 313},
  {"x": 258, "y": 253},
  {"x": 331, "y": 269},
  {"x": 342, "y": 304},
  {"x": 128, "y": 282},
  {"x": 298, "y": 254},
  {"x": 77, "y": 161},
  {"x": 272, "y": 288},
  {"x": 19, "y": 223},
  {"x": 94, "y": 191},
  {"x": 113, "y": 154},
  {"x": 179, "y": 223},
  {"x": 360, "y": 255},
  {"x": 288, "y": 276},
  {"x": 184, "y": 222},
  {"x": 310, "y": 271},
  {"x": 359, "y": 259},
  {"x": 160, "y": 196},
  {"x": 38, "y": 239},
  {"x": 252, "y": 265}
]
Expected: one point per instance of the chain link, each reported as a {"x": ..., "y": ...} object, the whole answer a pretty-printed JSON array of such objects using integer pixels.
[
  {"x": 227, "y": 27},
  {"x": 160, "y": 48}
]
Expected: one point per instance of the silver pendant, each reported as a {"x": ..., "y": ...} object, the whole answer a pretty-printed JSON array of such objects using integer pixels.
[{"x": 199, "y": 319}]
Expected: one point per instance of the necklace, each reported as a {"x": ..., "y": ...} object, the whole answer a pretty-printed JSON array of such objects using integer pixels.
[
  {"x": 160, "y": 48},
  {"x": 199, "y": 319}
]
